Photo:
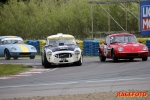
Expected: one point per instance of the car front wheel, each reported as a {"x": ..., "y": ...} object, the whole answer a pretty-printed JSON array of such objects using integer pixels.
[
  {"x": 101, "y": 57},
  {"x": 32, "y": 57},
  {"x": 7, "y": 55},
  {"x": 15, "y": 58},
  {"x": 131, "y": 59},
  {"x": 79, "y": 63},
  {"x": 45, "y": 63},
  {"x": 115, "y": 59},
  {"x": 144, "y": 58}
]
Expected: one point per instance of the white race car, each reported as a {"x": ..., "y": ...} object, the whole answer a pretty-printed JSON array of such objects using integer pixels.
[{"x": 61, "y": 49}]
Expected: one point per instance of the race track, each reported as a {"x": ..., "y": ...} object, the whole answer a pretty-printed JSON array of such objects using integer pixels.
[{"x": 92, "y": 76}]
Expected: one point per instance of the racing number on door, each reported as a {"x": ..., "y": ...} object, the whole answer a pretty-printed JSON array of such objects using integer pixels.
[{"x": 105, "y": 50}]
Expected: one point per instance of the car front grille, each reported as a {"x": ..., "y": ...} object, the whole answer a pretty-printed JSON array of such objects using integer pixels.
[
  {"x": 133, "y": 54},
  {"x": 24, "y": 54},
  {"x": 63, "y": 55}
]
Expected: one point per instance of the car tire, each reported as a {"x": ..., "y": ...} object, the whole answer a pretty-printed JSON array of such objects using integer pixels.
[
  {"x": 101, "y": 57},
  {"x": 7, "y": 55},
  {"x": 115, "y": 59},
  {"x": 79, "y": 63},
  {"x": 32, "y": 57},
  {"x": 45, "y": 63},
  {"x": 131, "y": 59},
  {"x": 15, "y": 58},
  {"x": 144, "y": 58}
]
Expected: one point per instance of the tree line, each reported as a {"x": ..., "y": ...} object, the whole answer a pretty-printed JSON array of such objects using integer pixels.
[{"x": 37, "y": 19}]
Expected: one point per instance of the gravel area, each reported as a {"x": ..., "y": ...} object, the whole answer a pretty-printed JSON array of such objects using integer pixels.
[{"x": 93, "y": 96}]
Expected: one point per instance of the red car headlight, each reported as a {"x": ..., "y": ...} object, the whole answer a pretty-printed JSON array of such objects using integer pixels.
[
  {"x": 144, "y": 48},
  {"x": 120, "y": 49}
]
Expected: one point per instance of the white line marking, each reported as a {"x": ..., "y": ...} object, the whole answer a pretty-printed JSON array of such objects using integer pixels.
[
  {"x": 53, "y": 69},
  {"x": 20, "y": 75},
  {"x": 65, "y": 83},
  {"x": 4, "y": 77},
  {"x": 39, "y": 70},
  {"x": 37, "y": 85},
  {"x": 117, "y": 80},
  {"x": 32, "y": 72}
]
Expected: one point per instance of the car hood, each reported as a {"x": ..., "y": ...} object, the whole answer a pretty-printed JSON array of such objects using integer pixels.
[
  {"x": 16, "y": 45},
  {"x": 21, "y": 47},
  {"x": 64, "y": 47},
  {"x": 131, "y": 46}
]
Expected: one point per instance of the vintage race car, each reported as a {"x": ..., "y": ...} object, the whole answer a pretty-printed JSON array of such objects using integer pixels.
[
  {"x": 61, "y": 49},
  {"x": 13, "y": 46},
  {"x": 122, "y": 46}
]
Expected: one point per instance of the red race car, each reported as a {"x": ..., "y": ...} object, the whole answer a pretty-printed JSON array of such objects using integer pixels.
[{"x": 122, "y": 46}]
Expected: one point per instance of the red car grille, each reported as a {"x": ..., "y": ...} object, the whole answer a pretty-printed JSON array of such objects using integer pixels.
[{"x": 132, "y": 54}]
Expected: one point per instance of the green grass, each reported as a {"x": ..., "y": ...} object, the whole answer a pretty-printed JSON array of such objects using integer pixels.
[
  {"x": 38, "y": 56},
  {"x": 12, "y": 69}
]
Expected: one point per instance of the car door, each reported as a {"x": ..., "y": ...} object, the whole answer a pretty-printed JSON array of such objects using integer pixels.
[{"x": 106, "y": 46}]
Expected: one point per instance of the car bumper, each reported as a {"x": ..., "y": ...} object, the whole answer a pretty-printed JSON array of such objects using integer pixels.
[
  {"x": 131, "y": 54},
  {"x": 22, "y": 54},
  {"x": 59, "y": 58}
]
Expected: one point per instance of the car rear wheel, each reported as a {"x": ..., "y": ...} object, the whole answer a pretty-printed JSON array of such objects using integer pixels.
[
  {"x": 101, "y": 57},
  {"x": 45, "y": 63},
  {"x": 32, "y": 57},
  {"x": 15, "y": 58},
  {"x": 7, "y": 55},
  {"x": 144, "y": 58},
  {"x": 115, "y": 59},
  {"x": 79, "y": 63}
]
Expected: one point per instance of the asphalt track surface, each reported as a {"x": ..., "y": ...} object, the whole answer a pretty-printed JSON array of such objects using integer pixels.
[{"x": 92, "y": 76}]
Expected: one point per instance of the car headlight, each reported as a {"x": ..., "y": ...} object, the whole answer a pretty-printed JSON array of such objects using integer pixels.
[
  {"x": 33, "y": 48},
  {"x": 120, "y": 49},
  {"x": 77, "y": 52},
  {"x": 13, "y": 48},
  {"x": 49, "y": 53},
  {"x": 144, "y": 48}
]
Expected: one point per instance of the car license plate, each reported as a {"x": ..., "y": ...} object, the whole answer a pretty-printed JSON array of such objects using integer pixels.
[{"x": 63, "y": 59}]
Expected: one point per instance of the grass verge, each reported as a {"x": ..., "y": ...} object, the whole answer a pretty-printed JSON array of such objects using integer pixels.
[{"x": 12, "y": 69}]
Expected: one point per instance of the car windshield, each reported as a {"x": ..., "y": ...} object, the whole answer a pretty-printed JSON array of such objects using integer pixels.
[
  {"x": 123, "y": 39},
  {"x": 12, "y": 41},
  {"x": 67, "y": 41}
]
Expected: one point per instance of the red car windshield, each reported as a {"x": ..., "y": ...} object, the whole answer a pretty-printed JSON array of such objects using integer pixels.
[{"x": 123, "y": 39}]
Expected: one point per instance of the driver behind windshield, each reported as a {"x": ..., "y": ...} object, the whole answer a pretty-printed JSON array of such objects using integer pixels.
[{"x": 53, "y": 42}]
